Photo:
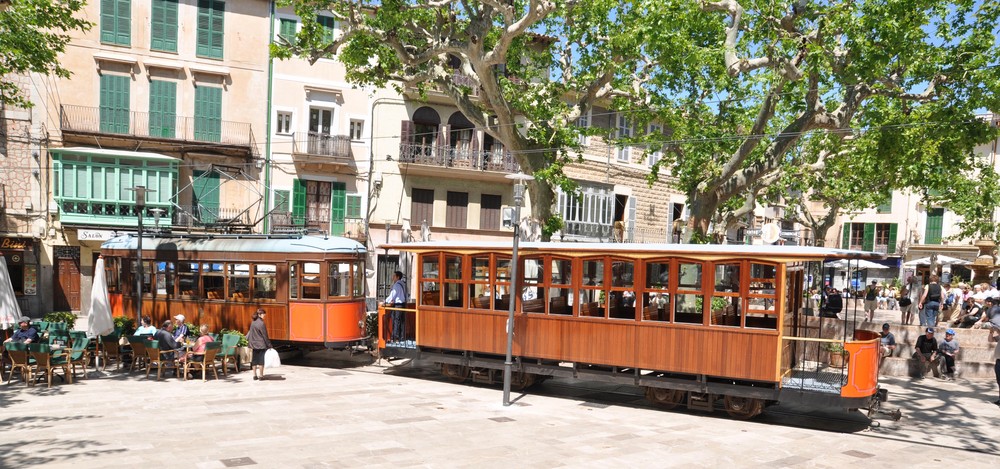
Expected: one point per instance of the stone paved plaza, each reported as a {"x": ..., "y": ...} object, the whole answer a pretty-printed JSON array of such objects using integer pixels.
[{"x": 322, "y": 412}]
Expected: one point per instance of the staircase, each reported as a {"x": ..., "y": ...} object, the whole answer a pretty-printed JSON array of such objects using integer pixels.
[{"x": 974, "y": 360}]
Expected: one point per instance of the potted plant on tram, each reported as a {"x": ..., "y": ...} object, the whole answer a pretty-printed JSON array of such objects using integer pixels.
[{"x": 838, "y": 356}]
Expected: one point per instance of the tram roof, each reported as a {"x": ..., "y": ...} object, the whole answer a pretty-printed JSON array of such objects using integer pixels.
[
  {"x": 791, "y": 253},
  {"x": 302, "y": 244}
]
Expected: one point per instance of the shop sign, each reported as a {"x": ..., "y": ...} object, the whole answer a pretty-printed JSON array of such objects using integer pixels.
[
  {"x": 94, "y": 235},
  {"x": 15, "y": 243}
]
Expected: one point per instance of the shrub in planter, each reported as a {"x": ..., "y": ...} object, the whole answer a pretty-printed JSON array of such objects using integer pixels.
[{"x": 125, "y": 325}]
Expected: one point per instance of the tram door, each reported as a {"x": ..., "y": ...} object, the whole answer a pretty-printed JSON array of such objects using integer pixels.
[
  {"x": 387, "y": 265},
  {"x": 793, "y": 320}
]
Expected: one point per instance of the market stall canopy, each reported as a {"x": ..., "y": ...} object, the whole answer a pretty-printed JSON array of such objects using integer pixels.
[
  {"x": 858, "y": 264},
  {"x": 10, "y": 312},
  {"x": 942, "y": 260}
]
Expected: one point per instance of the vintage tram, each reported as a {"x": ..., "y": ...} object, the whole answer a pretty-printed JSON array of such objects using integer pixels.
[
  {"x": 704, "y": 326},
  {"x": 313, "y": 288}
]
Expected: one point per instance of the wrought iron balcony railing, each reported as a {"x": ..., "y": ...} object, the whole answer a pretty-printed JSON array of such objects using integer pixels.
[
  {"x": 315, "y": 143},
  {"x": 154, "y": 125},
  {"x": 457, "y": 157}
]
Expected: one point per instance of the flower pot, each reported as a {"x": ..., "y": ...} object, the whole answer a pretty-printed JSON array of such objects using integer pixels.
[
  {"x": 243, "y": 356},
  {"x": 837, "y": 359}
]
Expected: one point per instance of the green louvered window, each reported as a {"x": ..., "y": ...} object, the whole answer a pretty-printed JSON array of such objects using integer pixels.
[
  {"x": 211, "y": 26},
  {"x": 208, "y": 114},
  {"x": 338, "y": 208},
  {"x": 116, "y": 22},
  {"x": 298, "y": 202},
  {"x": 935, "y": 222},
  {"x": 115, "y": 104},
  {"x": 327, "y": 23},
  {"x": 162, "y": 108},
  {"x": 286, "y": 29},
  {"x": 353, "y": 207},
  {"x": 163, "y": 27}
]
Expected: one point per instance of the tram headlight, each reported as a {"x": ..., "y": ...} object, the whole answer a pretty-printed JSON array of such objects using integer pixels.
[{"x": 361, "y": 325}]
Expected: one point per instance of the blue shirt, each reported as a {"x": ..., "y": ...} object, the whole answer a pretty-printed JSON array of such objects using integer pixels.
[
  {"x": 21, "y": 335},
  {"x": 397, "y": 295},
  {"x": 145, "y": 330},
  {"x": 180, "y": 331}
]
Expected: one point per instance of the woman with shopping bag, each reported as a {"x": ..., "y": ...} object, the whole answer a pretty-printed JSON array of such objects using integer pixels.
[{"x": 259, "y": 343}]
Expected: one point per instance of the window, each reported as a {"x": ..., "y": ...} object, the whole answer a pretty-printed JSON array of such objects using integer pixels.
[
  {"x": 885, "y": 206},
  {"x": 621, "y": 299},
  {"x": 115, "y": 98},
  {"x": 162, "y": 108},
  {"x": 689, "y": 300},
  {"x": 318, "y": 195},
  {"x": 584, "y": 123},
  {"x": 163, "y": 27},
  {"x": 592, "y": 294},
  {"x": 589, "y": 212},
  {"x": 327, "y": 24},
  {"x": 211, "y": 28},
  {"x": 359, "y": 279},
  {"x": 340, "y": 279},
  {"x": 116, "y": 22},
  {"x": 310, "y": 281},
  {"x": 761, "y": 297},
  {"x": 265, "y": 282},
  {"x": 857, "y": 235},
  {"x": 453, "y": 295},
  {"x": 188, "y": 279},
  {"x": 281, "y": 200},
  {"x": 532, "y": 289},
  {"x": 208, "y": 114},
  {"x": 422, "y": 207},
  {"x": 481, "y": 288},
  {"x": 655, "y": 132},
  {"x": 656, "y": 299},
  {"x": 320, "y": 121},
  {"x": 457, "y": 210},
  {"x": 214, "y": 279},
  {"x": 357, "y": 129},
  {"x": 489, "y": 212},
  {"x": 726, "y": 308},
  {"x": 239, "y": 282},
  {"x": 935, "y": 222},
  {"x": 430, "y": 280},
  {"x": 283, "y": 123},
  {"x": 624, "y": 132},
  {"x": 560, "y": 291},
  {"x": 353, "y": 208},
  {"x": 166, "y": 277},
  {"x": 287, "y": 29}
]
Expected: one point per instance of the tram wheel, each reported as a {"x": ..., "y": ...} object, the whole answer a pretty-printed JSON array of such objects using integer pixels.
[
  {"x": 743, "y": 408},
  {"x": 455, "y": 373},
  {"x": 665, "y": 398},
  {"x": 520, "y": 381}
]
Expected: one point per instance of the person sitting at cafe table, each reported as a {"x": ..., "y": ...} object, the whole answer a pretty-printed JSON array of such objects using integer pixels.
[
  {"x": 166, "y": 339},
  {"x": 180, "y": 329},
  {"x": 198, "y": 352},
  {"x": 146, "y": 328},
  {"x": 25, "y": 333}
]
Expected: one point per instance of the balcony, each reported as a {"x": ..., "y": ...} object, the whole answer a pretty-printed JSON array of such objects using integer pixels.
[
  {"x": 207, "y": 218},
  {"x": 315, "y": 147},
  {"x": 119, "y": 125},
  {"x": 499, "y": 162},
  {"x": 83, "y": 211},
  {"x": 286, "y": 222}
]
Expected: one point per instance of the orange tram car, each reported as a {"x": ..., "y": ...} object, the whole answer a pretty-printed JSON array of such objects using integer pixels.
[
  {"x": 313, "y": 288},
  {"x": 706, "y": 326}
]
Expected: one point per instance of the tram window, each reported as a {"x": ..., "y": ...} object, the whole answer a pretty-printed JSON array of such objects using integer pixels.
[
  {"x": 593, "y": 272},
  {"x": 726, "y": 311},
  {"x": 727, "y": 278},
  {"x": 340, "y": 278},
  {"x": 265, "y": 282},
  {"x": 111, "y": 274},
  {"x": 657, "y": 275},
  {"x": 688, "y": 308},
  {"x": 479, "y": 289},
  {"x": 761, "y": 312},
  {"x": 214, "y": 280},
  {"x": 453, "y": 294},
  {"x": 310, "y": 281},
  {"x": 592, "y": 294},
  {"x": 127, "y": 279},
  {"x": 560, "y": 292},
  {"x": 622, "y": 273},
  {"x": 532, "y": 291},
  {"x": 359, "y": 279},
  {"x": 239, "y": 282},
  {"x": 293, "y": 280},
  {"x": 657, "y": 306},
  {"x": 430, "y": 282},
  {"x": 165, "y": 278},
  {"x": 147, "y": 277},
  {"x": 689, "y": 276},
  {"x": 502, "y": 286},
  {"x": 188, "y": 274}
]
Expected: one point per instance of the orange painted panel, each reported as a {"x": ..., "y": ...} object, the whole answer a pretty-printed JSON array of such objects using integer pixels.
[
  {"x": 862, "y": 371},
  {"x": 345, "y": 321},
  {"x": 305, "y": 322},
  {"x": 117, "y": 307}
]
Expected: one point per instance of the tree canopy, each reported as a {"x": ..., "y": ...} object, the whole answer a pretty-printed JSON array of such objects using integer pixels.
[
  {"x": 32, "y": 35},
  {"x": 839, "y": 101}
]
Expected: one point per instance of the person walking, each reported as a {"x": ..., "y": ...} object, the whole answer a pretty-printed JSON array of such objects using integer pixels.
[
  {"x": 259, "y": 343},
  {"x": 871, "y": 300},
  {"x": 930, "y": 303},
  {"x": 397, "y": 299}
]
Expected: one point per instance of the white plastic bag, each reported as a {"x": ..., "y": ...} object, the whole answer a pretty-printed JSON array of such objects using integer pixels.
[{"x": 271, "y": 359}]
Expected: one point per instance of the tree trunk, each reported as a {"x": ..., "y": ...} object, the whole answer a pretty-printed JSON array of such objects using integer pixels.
[
  {"x": 541, "y": 193},
  {"x": 703, "y": 207}
]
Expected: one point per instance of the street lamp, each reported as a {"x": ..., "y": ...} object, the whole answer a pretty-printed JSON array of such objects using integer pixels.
[
  {"x": 140, "y": 208},
  {"x": 519, "y": 186},
  {"x": 385, "y": 262}
]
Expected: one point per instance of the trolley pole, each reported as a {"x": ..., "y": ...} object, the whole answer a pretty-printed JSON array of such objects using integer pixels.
[
  {"x": 140, "y": 207},
  {"x": 514, "y": 292}
]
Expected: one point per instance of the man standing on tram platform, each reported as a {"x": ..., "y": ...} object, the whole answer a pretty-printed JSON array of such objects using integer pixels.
[{"x": 397, "y": 298}]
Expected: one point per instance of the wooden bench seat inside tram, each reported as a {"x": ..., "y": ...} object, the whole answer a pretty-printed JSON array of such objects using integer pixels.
[
  {"x": 591, "y": 310},
  {"x": 558, "y": 305},
  {"x": 762, "y": 322},
  {"x": 431, "y": 297},
  {"x": 481, "y": 302},
  {"x": 533, "y": 306}
]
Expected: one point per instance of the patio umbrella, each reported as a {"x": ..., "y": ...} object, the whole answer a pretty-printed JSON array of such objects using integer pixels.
[
  {"x": 100, "y": 321},
  {"x": 942, "y": 260},
  {"x": 845, "y": 264},
  {"x": 10, "y": 312}
]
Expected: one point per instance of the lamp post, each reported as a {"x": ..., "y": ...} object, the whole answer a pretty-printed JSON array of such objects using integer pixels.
[
  {"x": 385, "y": 262},
  {"x": 518, "y": 200},
  {"x": 140, "y": 208}
]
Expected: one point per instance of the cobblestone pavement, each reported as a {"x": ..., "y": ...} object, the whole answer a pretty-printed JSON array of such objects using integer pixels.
[{"x": 319, "y": 413}]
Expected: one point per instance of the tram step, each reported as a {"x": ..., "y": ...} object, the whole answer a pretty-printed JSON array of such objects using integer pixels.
[{"x": 900, "y": 366}]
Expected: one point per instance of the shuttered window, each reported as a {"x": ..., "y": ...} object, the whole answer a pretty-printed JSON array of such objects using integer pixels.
[
  {"x": 286, "y": 29},
  {"x": 338, "y": 207},
  {"x": 422, "y": 207},
  {"x": 211, "y": 28},
  {"x": 298, "y": 202},
  {"x": 489, "y": 212},
  {"x": 162, "y": 108},
  {"x": 208, "y": 114},
  {"x": 115, "y": 104},
  {"x": 116, "y": 22},
  {"x": 163, "y": 26},
  {"x": 327, "y": 23},
  {"x": 935, "y": 221},
  {"x": 457, "y": 214},
  {"x": 353, "y": 206},
  {"x": 282, "y": 201}
]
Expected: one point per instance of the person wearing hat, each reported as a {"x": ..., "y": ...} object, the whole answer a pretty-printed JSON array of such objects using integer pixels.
[
  {"x": 926, "y": 353},
  {"x": 871, "y": 300},
  {"x": 180, "y": 329},
  {"x": 888, "y": 341},
  {"x": 948, "y": 348},
  {"x": 25, "y": 333}
]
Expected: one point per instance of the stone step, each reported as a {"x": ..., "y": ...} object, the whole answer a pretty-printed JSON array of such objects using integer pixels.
[
  {"x": 899, "y": 366},
  {"x": 965, "y": 354}
]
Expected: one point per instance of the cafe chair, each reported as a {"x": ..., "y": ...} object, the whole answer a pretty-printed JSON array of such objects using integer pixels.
[
  {"x": 110, "y": 350},
  {"x": 138, "y": 345},
  {"x": 211, "y": 350},
  {"x": 159, "y": 358},
  {"x": 41, "y": 326},
  {"x": 21, "y": 361},
  {"x": 79, "y": 355},
  {"x": 47, "y": 361},
  {"x": 228, "y": 352}
]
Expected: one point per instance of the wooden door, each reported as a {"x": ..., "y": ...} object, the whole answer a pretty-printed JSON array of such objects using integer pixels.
[{"x": 67, "y": 283}]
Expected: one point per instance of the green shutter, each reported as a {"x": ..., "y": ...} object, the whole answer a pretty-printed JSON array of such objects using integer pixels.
[
  {"x": 935, "y": 221},
  {"x": 211, "y": 28},
  {"x": 353, "y": 207},
  {"x": 286, "y": 30},
  {"x": 893, "y": 229},
  {"x": 116, "y": 22},
  {"x": 205, "y": 196},
  {"x": 327, "y": 23},
  {"x": 282, "y": 201},
  {"x": 163, "y": 26},
  {"x": 298, "y": 202},
  {"x": 885, "y": 206},
  {"x": 845, "y": 240},
  {"x": 114, "y": 112},
  {"x": 338, "y": 207},
  {"x": 868, "y": 242},
  {"x": 162, "y": 108},
  {"x": 208, "y": 114}
]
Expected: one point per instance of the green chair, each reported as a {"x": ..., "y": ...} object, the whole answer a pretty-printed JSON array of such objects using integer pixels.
[
  {"x": 21, "y": 361},
  {"x": 58, "y": 326},
  {"x": 47, "y": 361},
  {"x": 80, "y": 355},
  {"x": 77, "y": 335},
  {"x": 228, "y": 352},
  {"x": 41, "y": 326}
]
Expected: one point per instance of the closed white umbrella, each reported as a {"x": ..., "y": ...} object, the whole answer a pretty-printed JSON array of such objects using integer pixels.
[
  {"x": 941, "y": 260},
  {"x": 10, "y": 312},
  {"x": 100, "y": 321},
  {"x": 845, "y": 264}
]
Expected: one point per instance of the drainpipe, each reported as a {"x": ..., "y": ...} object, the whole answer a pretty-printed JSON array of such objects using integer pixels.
[{"x": 267, "y": 131}]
